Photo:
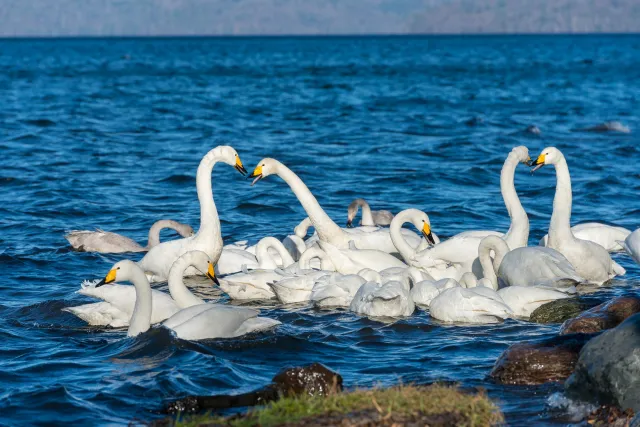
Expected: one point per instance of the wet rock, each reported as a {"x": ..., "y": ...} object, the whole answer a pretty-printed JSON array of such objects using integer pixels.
[
  {"x": 603, "y": 316},
  {"x": 315, "y": 380},
  {"x": 611, "y": 416},
  {"x": 608, "y": 371},
  {"x": 559, "y": 310},
  {"x": 549, "y": 360}
]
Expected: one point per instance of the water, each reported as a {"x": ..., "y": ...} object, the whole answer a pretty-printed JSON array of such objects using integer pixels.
[{"x": 109, "y": 133}]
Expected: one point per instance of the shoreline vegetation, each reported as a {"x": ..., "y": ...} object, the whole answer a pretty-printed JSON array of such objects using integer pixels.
[{"x": 435, "y": 405}]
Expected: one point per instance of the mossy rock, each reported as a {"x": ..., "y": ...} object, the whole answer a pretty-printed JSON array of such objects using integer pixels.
[{"x": 559, "y": 310}]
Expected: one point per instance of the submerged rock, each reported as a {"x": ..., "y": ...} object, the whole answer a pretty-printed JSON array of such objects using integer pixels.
[
  {"x": 608, "y": 371},
  {"x": 603, "y": 316},
  {"x": 549, "y": 360},
  {"x": 559, "y": 310},
  {"x": 314, "y": 380}
]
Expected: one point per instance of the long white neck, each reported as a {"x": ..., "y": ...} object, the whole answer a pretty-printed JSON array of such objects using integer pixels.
[
  {"x": 209, "y": 220},
  {"x": 395, "y": 229},
  {"x": 489, "y": 268},
  {"x": 327, "y": 230},
  {"x": 302, "y": 229},
  {"x": 178, "y": 290},
  {"x": 518, "y": 234},
  {"x": 265, "y": 260},
  {"x": 141, "y": 318},
  {"x": 315, "y": 252},
  {"x": 560, "y": 227},
  {"x": 157, "y": 227},
  {"x": 367, "y": 217}
]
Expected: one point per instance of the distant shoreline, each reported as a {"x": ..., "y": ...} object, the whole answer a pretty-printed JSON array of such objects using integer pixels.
[{"x": 311, "y": 36}]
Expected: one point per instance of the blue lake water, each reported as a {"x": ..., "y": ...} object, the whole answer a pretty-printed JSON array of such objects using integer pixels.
[{"x": 109, "y": 133}]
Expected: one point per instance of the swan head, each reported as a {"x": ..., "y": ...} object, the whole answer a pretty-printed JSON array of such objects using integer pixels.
[
  {"x": 264, "y": 168},
  {"x": 522, "y": 154},
  {"x": 185, "y": 230},
  {"x": 230, "y": 156},
  {"x": 548, "y": 156},
  {"x": 120, "y": 272},
  {"x": 352, "y": 211},
  {"x": 420, "y": 221}
]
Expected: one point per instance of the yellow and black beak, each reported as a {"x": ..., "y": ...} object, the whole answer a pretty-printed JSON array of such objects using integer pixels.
[
  {"x": 257, "y": 174},
  {"x": 426, "y": 232},
  {"x": 537, "y": 163},
  {"x": 111, "y": 277},
  {"x": 211, "y": 274},
  {"x": 238, "y": 166}
]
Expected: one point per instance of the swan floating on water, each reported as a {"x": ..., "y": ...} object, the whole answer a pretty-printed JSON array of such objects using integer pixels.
[
  {"x": 590, "y": 260},
  {"x": 632, "y": 245},
  {"x": 378, "y": 298},
  {"x": 112, "y": 243},
  {"x": 369, "y": 217}
]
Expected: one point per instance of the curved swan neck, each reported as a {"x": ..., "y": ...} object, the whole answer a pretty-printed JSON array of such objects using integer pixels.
[
  {"x": 518, "y": 234},
  {"x": 157, "y": 227},
  {"x": 265, "y": 260},
  {"x": 325, "y": 227},
  {"x": 302, "y": 229},
  {"x": 560, "y": 226},
  {"x": 395, "y": 230},
  {"x": 141, "y": 318},
  {"x": 311, "y": 253},
  {"x": 500, "y": 249},
  {"x": 367, "y": 216},
  {"x": 178, "y": 290},
  {"x": 209, "y": 219}
]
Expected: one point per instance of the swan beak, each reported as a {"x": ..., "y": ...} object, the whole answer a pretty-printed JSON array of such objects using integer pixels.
[
  {"x": 238, "y": 166},
  {"x": 537, "y": 163},
  {"x": 349, "y": 224},
  {"x": 211, "y": 274},
  {"x": 426, "y": 232},
  {"x": 111, "y": 277},
  {"x": 257, "y": 174}
]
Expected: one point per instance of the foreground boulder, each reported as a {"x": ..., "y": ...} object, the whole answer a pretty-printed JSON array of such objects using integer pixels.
[
  {"x": 602, "y": 317},
  {"x": 559, "y": 310},
  {"x": 312, "y": 380},
  {"x": 608, "y": 371},
  {"x": 530, "y": 363}
]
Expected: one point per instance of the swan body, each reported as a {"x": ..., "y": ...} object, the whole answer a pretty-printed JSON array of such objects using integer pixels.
[
  {"x": 590, "y": 260},
  {"x": 632, "y": 245},
  {"x": 208, "y": 239},
  {"x": 335, "y": 290},
  {"x": 351, "y": 261},
  {"x": 296, "y": 288},
  {"x": 607, "y": 236},
  {"x": 369, "y": 217},
  {"x": 523, "y": 300},
  {"x": 474, "y": 305},
  {"x": 382, "y": 299},
  {"x": 197, "y": 322},
  {"x": 106, "y": 242},
  {"x": 528, "y": 266}
]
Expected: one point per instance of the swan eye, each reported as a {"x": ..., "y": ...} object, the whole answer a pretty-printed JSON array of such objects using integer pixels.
[{"x": 117, "y": 268}]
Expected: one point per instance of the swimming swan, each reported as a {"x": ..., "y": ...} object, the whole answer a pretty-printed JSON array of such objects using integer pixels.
[
  {"x": 376, "y": 298},
  {"x": 369, "y": 217},
  {"x": 607, "y": 236},
  {"x": 590, "y": 260},
  {"x": 632, "y": 245},
  {"x": 335, "y": 290},
  {"x": 208, "y": 239},
  {"x": 353, "y": 260},
  {"x": 469, "y": 305},
  {"x": 203, "y": 321},
  {"x": 528, "y": 266},
  {"x": 326, "y": 229},
  {"x": 111, "y": 243}
]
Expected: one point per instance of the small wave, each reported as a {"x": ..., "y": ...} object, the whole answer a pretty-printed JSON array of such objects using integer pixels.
[
  {"x": 574, "y": 409},
  {"x": 607, "y": 127},
  {"x": 179, "y": 179},
  {"x": 42, "y": 123}
]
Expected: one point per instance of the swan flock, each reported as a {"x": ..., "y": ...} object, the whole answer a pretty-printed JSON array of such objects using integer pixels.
[{"x": 383, "y": 266}]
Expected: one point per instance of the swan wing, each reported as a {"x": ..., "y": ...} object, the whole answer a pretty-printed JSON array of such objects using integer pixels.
[
  {"x": 217, "y": 321},
  {"x": 100, "y": 314}
]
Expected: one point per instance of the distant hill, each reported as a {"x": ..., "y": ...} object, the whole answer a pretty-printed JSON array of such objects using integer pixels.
[{"x": 235, "y": 17}]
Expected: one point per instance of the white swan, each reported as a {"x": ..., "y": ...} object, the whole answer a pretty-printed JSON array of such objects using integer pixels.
[
  {"x": 208, "y": 239},
  {"x": 528, "y": 266},
  {"x": 423, "y": 291},
  {"x": 119, "y": 300},
  {"x": 369, "y": 217},
  {"x": 203, "y": 321},
  {"x": 632, "y": 245},
  {"x": 382, "y": 299},
  {"x": 351, "y": 261},
  {"x": 326, "y": 229},
  {"x": 253, "y": 284},
  {"x": 111, "y": 243},
  {"x": 335, "y": 290},
  {"x": 474, "y": 305},
  {"x": 590, "y": 260},
  {"x": 524, "y": 300},
  {"x": 294, "y": 243},
  {"x": 607, "y": 236}
]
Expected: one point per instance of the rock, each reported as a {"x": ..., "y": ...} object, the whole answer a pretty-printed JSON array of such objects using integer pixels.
[
  {"x": 552, "y": 359},
  {"x": 603, "y": 316},
  {"x": 610, "y": 416},
  {"x": 559, "y": 310},
  {"x": 314, "y": 379},
  {"x": 608, "y": 371}
]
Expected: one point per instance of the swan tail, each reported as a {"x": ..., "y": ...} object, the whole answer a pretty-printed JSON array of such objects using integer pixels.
[{"x": 618, "y": 269}]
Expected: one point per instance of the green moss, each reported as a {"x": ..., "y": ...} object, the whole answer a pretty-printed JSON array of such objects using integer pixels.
[
  {"x": 558, "y": 311},
  {"x": 471, "y": 410}
]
